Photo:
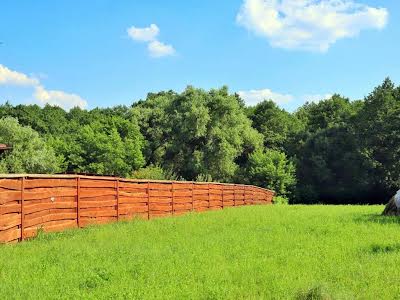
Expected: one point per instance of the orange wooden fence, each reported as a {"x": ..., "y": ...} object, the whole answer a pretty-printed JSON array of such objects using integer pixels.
[{"x": 57, "y": 202}]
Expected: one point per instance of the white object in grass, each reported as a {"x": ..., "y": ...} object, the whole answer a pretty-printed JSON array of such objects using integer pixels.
[{"x": 397, "y": 199}]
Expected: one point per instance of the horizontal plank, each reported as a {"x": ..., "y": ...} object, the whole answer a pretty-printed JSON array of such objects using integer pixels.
[
  {"x": 182, "y": 206},
  {"x": 11, "y": 207},
  {"x": 32, "y": 208},
  {"x": 132, "y": 210},
  {"x": 97, "y": 213},
  {"x": 200, "y": 197},
  {"x": 99, "y": 198},
  {"x": 158, "y": 193},
  {"x": 199, "y": 187},
  {"x": 137, "y": 194},
  {"x": 161, "y": 186},
  {"x": 9, "y": 196},
  {"x": 96, "y": 192},
  {"x": 10, "y": 234},
  {"x": 129, "y": 200},
  {"x": 160, "y": 200},
  {"x": 132, "y": 185},
  {"x": 49, "y": 218},
  {"x": 182, "y": 193},
  {"x": 49, "y": 211},
  {"x": 183, "y": 186},
  {"x": 91, "y": 183},
  {"x": 9, "y": 220},
  {"x": 160, "y": 207},
  {"x": 88, "y": 204},
  {"x": 49, "y": 183},
  {"x": 182, "y": 200},
  {"x": 42, "y": 193},
  {"x": 10, "y": 184}
]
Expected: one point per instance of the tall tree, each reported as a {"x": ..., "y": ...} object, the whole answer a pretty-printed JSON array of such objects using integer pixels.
[{"x": 197, "y": 132}]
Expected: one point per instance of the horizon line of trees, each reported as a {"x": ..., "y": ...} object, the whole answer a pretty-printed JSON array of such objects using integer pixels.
[{"x": 334, "y": 151}]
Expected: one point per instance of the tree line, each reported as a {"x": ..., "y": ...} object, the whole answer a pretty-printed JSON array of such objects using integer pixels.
[{"x": 334, "y": 151}]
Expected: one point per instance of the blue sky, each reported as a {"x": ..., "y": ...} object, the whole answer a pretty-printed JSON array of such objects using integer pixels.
[{"x": 99, "y": 53}]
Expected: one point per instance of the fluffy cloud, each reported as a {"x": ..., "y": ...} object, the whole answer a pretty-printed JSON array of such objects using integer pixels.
[
  {"x": 309, "y": 24},
  {"x": 316, "y": 97},
  {"x": 9, "y": 77},
  {"x": 59, "y": 98},
  {"x": 252, "y": 97},
  {"x": 149, "y": 34},
  {"x": 40, "y": 95},
  {"x": 159, "y": 49},
  {"x": 145, "y": 34}
]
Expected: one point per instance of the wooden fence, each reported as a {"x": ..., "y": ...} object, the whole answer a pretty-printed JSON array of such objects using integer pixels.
[{"x": 57, "y": 202}]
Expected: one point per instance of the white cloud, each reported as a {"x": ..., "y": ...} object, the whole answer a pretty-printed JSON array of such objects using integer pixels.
[
  {"x": 252, "y": 97},
  {"x": 59, "y": 98},
  {"x": 312, "y": 25},
  {"x": 9, "y": 77},
  {"x": 149, "y": 35},
  {"x": 40, "y": 95},
  {"x": 159, "y": 49},
  {"x": 316, "y": 97},
  {"x": 287, "y": 101},
  {"x": 146, "y": 34}
]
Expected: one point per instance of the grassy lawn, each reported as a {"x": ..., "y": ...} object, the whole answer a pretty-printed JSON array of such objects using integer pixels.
[{"x": 263, "y": 252}]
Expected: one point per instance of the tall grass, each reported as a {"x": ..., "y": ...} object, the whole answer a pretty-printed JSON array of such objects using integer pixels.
[{"x": 263, "y": 252}]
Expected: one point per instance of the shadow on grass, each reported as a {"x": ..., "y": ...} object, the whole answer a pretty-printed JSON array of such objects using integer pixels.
[
  {"x": 383, "y": 249},
  {"x": 314, "y": 293},
  {"x": 377, "y": 219}
]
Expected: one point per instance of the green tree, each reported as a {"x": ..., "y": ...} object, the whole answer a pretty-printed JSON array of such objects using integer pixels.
[
  {"x": 197, "y": 132},
  {"x": 30, "y": 153},
  {"x": 378, "y": 127},
  {"x": 273, "y": 170},
  {"x": 275, "y": 124}
]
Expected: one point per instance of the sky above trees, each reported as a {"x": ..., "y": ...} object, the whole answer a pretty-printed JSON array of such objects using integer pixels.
[{"x": 105, "y": 53}]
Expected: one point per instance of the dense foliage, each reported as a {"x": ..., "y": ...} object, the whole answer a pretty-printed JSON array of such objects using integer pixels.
[
  {"x": 30, "y": 153},
  {"x": 332, "y": 151}
]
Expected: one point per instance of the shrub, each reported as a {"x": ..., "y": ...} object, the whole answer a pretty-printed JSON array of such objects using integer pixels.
[
  {"x": 281, "y": 200},
  {"x": 271, "y": 169},
  {"x": 155, "y": 173}
]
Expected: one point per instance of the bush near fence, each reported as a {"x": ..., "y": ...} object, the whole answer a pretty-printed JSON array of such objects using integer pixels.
[{"x": 57, "y": 202}]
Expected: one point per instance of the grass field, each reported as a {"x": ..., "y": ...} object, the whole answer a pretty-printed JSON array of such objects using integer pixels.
[{"x": 262, "y": 252}]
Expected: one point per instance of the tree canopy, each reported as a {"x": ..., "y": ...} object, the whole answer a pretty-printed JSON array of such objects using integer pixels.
[{"x": 331, "y": 151}]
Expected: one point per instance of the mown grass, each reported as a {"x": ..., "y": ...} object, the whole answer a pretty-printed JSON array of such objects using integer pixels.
[{"x": 263, "y": 252}]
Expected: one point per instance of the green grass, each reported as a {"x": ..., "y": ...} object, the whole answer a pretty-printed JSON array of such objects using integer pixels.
[{"x": 263, "y": 252}]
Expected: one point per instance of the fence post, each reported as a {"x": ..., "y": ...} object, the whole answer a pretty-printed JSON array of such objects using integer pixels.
[
  {"x": 234, "y": 195},
  {"x": 78, "y": 188},
  {"x": 173, "y": 198},
  {"x": 192, "y": 196},
  {"x": 22, "y": 208},
  {"x": 244, "y": 195},
  {"x": 223, "y": 196},
  {"x": 117, "y": 188},
  {"x": 148, "y": 200},
  {"x": 208, "y": 187}
]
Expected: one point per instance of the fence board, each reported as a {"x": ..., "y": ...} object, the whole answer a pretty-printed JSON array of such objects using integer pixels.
[{"x": 57, "y": 202}]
